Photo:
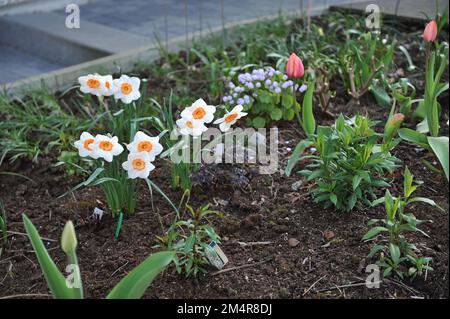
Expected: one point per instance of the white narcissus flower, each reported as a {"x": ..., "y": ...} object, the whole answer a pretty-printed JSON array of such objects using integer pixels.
[
  {"x": 138, "y": 165},
  {"x": 91, "y": 83},
  {"x": 106, "y": 147},
  {"x": 127, "y": 89},
  {"x": 191, "y": 127},
  {"x": 108, "y": 87},
  {"x": 84, "y": 144},
  {"x": 199, "y": 111},
  {"x": 230, "y": 118},
  {"x": 144, "y": 143}
]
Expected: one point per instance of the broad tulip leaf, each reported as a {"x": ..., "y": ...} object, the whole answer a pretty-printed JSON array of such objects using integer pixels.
[
  {"x": 414, "y": 137},
  {"x": 134, "y": 285},
  {"x": 439, "y": 145},
  {"x": 309, "y": 123},
  {"x": 55, "y": 280}
]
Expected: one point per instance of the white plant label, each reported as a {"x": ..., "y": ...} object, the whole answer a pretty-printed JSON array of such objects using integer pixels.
[{"x": 216, "y": 256}]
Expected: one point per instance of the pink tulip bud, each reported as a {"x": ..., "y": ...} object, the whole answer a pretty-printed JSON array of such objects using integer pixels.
[
  {"x": 392, "y": 126},
  {"x": 399, "y": 117},
  {"x": 430, "y": 32},
  {"x": 294, "y": 67}
]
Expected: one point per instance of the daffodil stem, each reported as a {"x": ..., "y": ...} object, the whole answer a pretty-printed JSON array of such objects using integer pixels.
[{"x": 119, "y": 225}]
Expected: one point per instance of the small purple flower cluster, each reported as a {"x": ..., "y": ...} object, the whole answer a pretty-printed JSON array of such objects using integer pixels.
[{"x": 260, "y": 79}]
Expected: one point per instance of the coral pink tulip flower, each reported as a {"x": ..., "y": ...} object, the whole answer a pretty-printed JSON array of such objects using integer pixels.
[
  {"x": 294, "y": 67},
  {"x": 430, "y": 32}
]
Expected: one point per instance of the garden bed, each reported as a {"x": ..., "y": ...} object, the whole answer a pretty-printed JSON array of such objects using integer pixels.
[{"x": 287, "y": 246}]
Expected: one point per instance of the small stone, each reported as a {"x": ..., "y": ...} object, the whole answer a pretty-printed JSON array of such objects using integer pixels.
[
  {"x": 21, "y": 190},
  {"x": 293, "y": 242},
  {"x": 328, "y": 235},
  {"x": 221, "y": 202},
  {"x": 284, "y": 293},
  {"x": 296, "y": 186}
]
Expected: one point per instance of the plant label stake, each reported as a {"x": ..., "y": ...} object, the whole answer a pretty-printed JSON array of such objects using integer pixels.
[
  {"x": 119, "y": 225},
  {"x": 97, "y": 214},
  {"x": 216, "y": 256}
]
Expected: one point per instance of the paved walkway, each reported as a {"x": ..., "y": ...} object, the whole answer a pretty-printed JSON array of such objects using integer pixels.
[
  {"x": 35, "y": 43},
  {"x": 147, "y": 17},
  {"x": 141, "y": 19}
]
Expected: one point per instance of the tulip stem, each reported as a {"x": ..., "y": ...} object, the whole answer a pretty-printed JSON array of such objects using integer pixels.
[{"x": 294, "y": 92}]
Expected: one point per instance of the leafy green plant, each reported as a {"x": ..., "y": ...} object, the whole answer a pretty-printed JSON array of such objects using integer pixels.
[
  {"x": 427, "y": 133},
  {"x": 132, "y": 286},
  {"x": 72, "y": 163},
  {"x": 266, "y": 94},
  {"x": 116, "y": 172},
  {"x": 345, "y": 160},
  {"x": 396, "y": 252},
  {"x": 404, "y": 93},
  {"x": 362, "y": 64},
  {"x": 164, "y": 122},
  {"x": 190, "y": 239}
]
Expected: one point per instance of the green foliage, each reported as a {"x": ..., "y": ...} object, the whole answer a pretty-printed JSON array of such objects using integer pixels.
[
  {"x": 347, "y": 164},
  {"x": 190, "y": 239},
  {"x": 362, "y": 62},
  {"x": 404, "y": 93},
  {"x": 163, "y": 121},
  {"x": 429, "y": 109},
  {"x": 266, "y": 94},
  {"x": 35, "y": 125},
  {"x": 308, "y": 121},
  {"x": 73, "y": 164},
  {"x": 133, "y": 285},
  {"x": 55, "y": 279},
  {"x": 440, "y": 147},
  {"x": 123, "y": 120},
  {"x": 397, "y": 254},
  {"x": 436, "y": 64}
]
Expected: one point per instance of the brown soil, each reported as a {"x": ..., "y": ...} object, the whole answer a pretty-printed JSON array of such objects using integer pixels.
[
  {"x": 263, "y": 208},
  {"x": 260, "y": 208}
]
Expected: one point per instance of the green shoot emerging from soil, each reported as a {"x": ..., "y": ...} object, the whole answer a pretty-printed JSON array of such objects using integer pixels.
[
  {"x": 190, "y": 239},
  {"x": 397, "y": 255}
]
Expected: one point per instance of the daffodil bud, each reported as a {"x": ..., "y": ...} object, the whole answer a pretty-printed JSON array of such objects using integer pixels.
[{"x": 68, "y": 238}]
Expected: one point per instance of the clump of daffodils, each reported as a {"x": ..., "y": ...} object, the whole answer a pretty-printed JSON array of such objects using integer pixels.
[
  {"x": 142, "y": 151},
  {"x": 124, "y": 88},
  {"x": 117, "y": 171},
  {"x": 194, "y": 118}
]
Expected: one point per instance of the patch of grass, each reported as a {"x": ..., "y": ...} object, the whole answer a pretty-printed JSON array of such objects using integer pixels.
[{"x": 35, "y": 125}]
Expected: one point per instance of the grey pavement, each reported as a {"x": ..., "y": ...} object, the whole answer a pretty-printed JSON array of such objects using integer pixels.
[
  {"x": 112, "y": 26},
  {"x": 37, "y": 41}
]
